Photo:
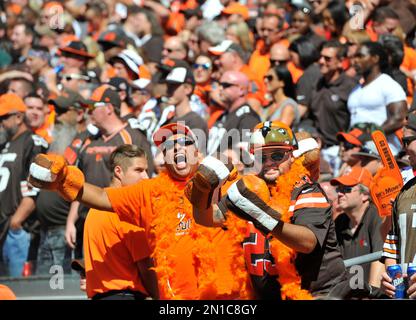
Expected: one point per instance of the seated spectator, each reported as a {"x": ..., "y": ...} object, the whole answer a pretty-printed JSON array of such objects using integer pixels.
[{"x": 358, "y": 226}]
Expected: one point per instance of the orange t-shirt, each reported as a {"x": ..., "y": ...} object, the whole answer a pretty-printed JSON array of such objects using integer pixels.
[
  {"x": 138, "y": 203},
  {"x": 111, "y": 249}
]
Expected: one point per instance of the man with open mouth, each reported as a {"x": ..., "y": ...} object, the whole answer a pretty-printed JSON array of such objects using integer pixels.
[{"x": 160, "y": 207}]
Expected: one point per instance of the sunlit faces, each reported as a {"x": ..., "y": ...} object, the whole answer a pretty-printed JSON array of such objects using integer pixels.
[
  {"x": 410, "y": 145},
  {"x": 202, "y": 69},
  {"x": 135, "y": 170},
  {"x": 272, "y": 163},
  {"x": 180, "y": 155},
  {"x": 36, "y": 111},
  {"x": 350, "y": 197},
  {"x": 272, "y": 81}
]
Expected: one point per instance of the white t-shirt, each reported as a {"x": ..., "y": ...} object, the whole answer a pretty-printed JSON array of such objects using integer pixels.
[{"x": 368, "y": 104}]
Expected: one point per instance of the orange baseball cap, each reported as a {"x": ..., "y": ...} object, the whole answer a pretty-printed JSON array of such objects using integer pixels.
[
  {"x": 236, "y": 8},
  {"x": 166, "y": 131},
  {"x": 11, "y": 103},
  {"x": 355, "y": 136},
  {"x": 6, "y": 293},
  {"x": 358, "y": 175}
]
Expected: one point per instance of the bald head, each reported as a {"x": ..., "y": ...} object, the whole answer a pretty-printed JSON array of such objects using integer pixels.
[
  {"x": 279, "y": 52},
  {"x": 236, "y": 77},
  {"x": 174, "y": 48}
]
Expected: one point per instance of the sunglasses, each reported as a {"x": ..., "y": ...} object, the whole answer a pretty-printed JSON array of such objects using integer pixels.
[
  {"x": 6, "y": 116},
  {"x": 170, "y": 50},
  {"x": 268, "y": 78},
  {"x": 275, "y": 62},
  {"x": 205, "y": 66},
  {"x": 277, "y": 157},
  {"x": 69, "y": 77},
  {"x": 326, "y": 58},
  {"x": 92, "y": 106},
  {"x": 183, "y": 141},
  {"x": 226, "y": 85},
  {"x": 408, "y": 140},
  {"x": 343, "y": 189}
]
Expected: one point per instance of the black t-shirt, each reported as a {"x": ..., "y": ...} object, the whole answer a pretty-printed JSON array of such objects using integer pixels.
[
  {"x": 51, "y": 209},
  {"x": 365, "y": 239},
  {"x": 306, "y": 84},
  {"x": 329, "y": 107},
  {"x": 15, "y": 160},
  {"x": 319, "y": 270},
  {"x": 232, "y": 128}
]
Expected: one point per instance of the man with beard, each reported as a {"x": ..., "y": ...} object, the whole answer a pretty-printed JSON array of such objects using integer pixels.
[
  {"x": 161, "y": 208},
  {"x": 69, "y": 133},
  {"x": 305, "y": 226},
  {"x": 16, "y": 197}
]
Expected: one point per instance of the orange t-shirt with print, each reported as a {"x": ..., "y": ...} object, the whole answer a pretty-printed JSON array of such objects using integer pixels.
[
  {"x": 112, "y": 247},
  {"x": 162, "y": 199}
]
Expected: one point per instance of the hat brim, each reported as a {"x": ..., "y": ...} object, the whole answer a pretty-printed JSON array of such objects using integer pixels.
[
  {"x": 77, "y": 52},
  {"x": 165, "y": 132},
  {"x": 367, "y": 155},
  {"x": 343, "y": 136},
  {"x": 345, "y": 181}
]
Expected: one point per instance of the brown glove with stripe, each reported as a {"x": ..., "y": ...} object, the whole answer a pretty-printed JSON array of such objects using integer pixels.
[
  {"x": 51, "y": 172},
  {"x": 247, "y": 199},
  {"x": 204, "y": 187}
]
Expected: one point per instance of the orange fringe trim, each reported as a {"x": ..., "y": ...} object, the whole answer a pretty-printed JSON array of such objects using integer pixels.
[
  {"x": 171, "y": 199},
  {"x": 284, "y": 256}
]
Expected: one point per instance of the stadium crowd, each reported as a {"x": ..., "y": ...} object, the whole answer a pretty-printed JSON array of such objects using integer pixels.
[{"x": 218, "y": 149}]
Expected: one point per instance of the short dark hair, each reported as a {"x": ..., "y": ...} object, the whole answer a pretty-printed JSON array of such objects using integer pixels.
[
  {"x": 394, "y": 47},
  {"x": 123, "y": 154},
  {"x": 341, "y": 49},
  {"x": 33, "y": 94},
  {"x": 377, "y": 49},
  {"x": 306, "y": 50},
  {"x": 383, "y": 13},
  {"x": 29, "y": 85}
]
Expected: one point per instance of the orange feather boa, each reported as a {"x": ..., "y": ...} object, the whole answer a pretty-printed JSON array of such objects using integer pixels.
[
  {"x": 171, "y": 199},
  {"x": 284, "y": 256}
]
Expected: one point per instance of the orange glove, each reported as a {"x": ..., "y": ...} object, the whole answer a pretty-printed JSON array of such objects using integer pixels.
[
  {"x": 51, "y": 172},
  {"x": 388, "y": 181}
]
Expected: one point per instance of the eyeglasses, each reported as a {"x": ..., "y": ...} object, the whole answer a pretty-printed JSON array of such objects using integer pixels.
[
  {"x": 268, "y": 78},
  {"x": 277, "y": 157},
  {"x": 226, "y": 85},
  {"x": 343, "y": 189},
  {"x": 205, "y": 66},
  {"x": 182, "y": 141},
  {"x": 408, "y": 140},
  {"x": 276, "y": 62}
]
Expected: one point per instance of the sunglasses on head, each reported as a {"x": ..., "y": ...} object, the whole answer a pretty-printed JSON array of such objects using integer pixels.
[
  {"x": 226, "y": 85},
  {"x": 182, "y": 141},
  {"x": 277, "y": 156},
  {"x": 92, "y": 106},
  {"x": 343, "y": 189},
  {"x": 205, "y": 66},
  {"x": 408, "y": 140}
]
